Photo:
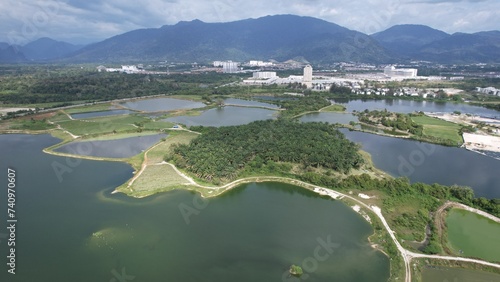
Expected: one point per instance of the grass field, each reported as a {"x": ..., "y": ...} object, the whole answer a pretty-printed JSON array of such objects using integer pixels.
[
  {"x": 473, "y": 235},
  {"x": 157, "y": 125},
  {"x": 158, "y": 177},
  {"x": 60, "y": 116},
  {"x": 116, "y": 136},
  {"x": 439, "y": 128},
  {"x": 102, "y": 125},
  {"x": 158, "y": 153},
  {"x": 31, "y": 125},
  {"x": 440, "y": 274},
  {"x": 87, "y": 109}
]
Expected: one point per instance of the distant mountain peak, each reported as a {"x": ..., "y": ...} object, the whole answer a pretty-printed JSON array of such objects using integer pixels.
[
  {"x": 278, "y": 37},
  {"x": 195, "y": 21},
  {"x": 46, "y": 48},
  {"x": 406, "y": 39}
]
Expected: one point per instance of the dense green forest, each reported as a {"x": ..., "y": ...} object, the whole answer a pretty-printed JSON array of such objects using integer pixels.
[
  {"x": 221, "y": 154},
  {"x": 94, "y": 86},
  {"x": 396, "y": 121},
  {"x": 311, "y": 102}
]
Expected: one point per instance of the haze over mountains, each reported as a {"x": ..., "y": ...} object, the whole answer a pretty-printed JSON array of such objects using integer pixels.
[
  {"x": 280, "y": 37},
  {"x": 40, "y": 50}
]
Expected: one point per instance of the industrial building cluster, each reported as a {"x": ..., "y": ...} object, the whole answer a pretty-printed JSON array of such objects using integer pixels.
[
  {"x": 324, "y": 83},
  {"x": 489, "y": 90},
  {"x": 129, "y": 69}
]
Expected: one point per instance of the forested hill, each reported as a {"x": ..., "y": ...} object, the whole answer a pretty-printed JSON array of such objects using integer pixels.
[{"x": 222, "y": 154}]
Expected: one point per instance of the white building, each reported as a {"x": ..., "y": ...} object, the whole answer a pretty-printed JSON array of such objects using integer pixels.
[
  {"x": 489, "y": 90},
  {"x": 130, "y": 69},
  {"x": 218, "y": 64},
  {"x": 230, "y": 67},
  {"x": 259, "y": 64},
  {"x": 308, "y": 76},
  {"x": 391, "y": 71},
  {"x": 264, "y": 74}
]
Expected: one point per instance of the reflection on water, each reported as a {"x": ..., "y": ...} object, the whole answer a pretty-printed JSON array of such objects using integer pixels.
[{"x": 162, "y": 104}]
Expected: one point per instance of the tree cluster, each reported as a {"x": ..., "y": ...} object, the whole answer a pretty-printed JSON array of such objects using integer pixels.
[
  {"x": 303, "y": 104},
  {"x": 222, "y": 153},
  {"x": 94, "y": 86},
  {"x": 396, "y": 121}
]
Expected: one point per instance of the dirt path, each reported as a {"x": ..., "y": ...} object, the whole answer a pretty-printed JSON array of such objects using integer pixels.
[
  {"x": 467, "y": 208},
  {"x": 406, "y": 254},
  {"x": 143, "y": 166}
]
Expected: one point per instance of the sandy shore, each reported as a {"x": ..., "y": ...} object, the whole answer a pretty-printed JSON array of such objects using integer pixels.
[{"x": 481, "y": 142}]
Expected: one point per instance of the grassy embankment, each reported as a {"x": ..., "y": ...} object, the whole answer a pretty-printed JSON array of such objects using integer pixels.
[
  {"x": 334, "y": 108},
  {"x": 157, "y": 177}
]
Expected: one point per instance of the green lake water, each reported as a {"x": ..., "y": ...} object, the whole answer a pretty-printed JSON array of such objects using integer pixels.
[
  {"x": 473, "y": 235},
  {"x": 442, "y": 274},
  {"x": 71, "y": 229}
]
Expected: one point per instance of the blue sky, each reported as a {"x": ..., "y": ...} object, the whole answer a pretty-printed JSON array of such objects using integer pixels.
[{"x": 85, "y": 21}]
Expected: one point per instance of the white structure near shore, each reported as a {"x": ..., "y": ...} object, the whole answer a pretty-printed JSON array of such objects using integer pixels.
[
  {"x": 307, "y": 79},
  {"x": 489, "y": 91},
  {"x": 480, "y": 142},
  {"x": 392, "y": 71},
  {"x": 264, "y": 74}
]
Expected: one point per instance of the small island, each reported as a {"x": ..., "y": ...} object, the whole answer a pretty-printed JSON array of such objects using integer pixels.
[{"x": 296, "y": 270}]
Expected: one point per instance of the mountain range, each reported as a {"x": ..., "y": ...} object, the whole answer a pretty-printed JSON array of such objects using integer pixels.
[
  {"x": 418, "y": 42},
  {"x": 280, "y": 37},
  {"x": 41, "y": 50}
]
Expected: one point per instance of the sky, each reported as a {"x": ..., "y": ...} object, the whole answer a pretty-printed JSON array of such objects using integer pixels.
[{"x": 87, "y": 21}]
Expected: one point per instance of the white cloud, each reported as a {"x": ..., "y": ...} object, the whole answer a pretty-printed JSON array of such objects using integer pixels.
[{"x": 89, "y": 20}]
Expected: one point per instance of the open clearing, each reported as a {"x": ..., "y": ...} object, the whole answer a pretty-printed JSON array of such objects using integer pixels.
[
  {"x": 102, "y": 125},
  {"x": 473, "y": 235},
  {"x": 158, "y": 178},
  {"x": 439, "y": 128}
]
